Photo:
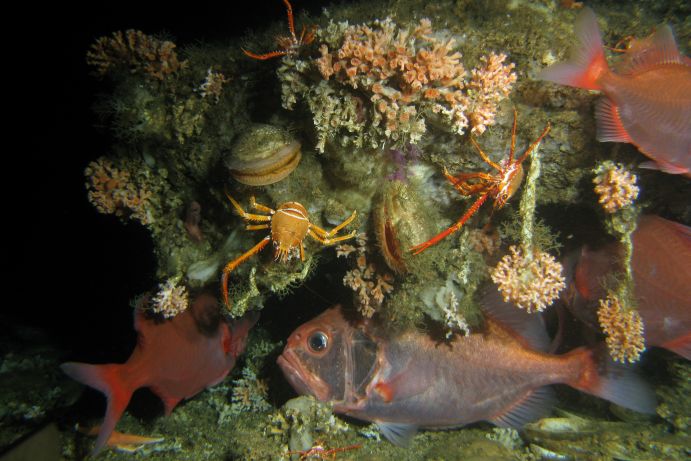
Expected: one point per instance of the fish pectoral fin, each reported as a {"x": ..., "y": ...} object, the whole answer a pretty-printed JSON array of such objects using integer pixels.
[
  {"x": 399, "y": 434},
  {"x": 532, "y": 406},
  {"x": 402, "y": 386}
]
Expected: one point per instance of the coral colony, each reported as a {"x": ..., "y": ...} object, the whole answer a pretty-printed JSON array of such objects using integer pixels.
[{"x": 379, "y": 135}]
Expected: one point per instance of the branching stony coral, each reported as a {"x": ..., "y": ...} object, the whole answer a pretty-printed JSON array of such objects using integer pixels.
[
  {"x": 624, "y": 330},
  {"x": 615, "y": 185},
  {"x": 407, "y": 74},
  {"x": 112, "y": 191},
  {"x": 530, "y": 281},
  {"x": 134, "y": 51},
  {"x": 368, "y": 284},
  {"x": 171, "y": 299}
]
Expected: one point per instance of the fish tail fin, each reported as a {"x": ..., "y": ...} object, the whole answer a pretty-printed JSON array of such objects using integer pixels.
[
  {"x": 619, "y": 383},
  {"x": 110, "y": 381},
  {"x": 587, "y": 62}
]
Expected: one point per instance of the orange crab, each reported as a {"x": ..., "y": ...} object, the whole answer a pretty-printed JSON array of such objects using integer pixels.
[
  {"x": 499, "y": 186},
  {"x": 289, "y": 44},
  {"x": 289, "y": 226}
]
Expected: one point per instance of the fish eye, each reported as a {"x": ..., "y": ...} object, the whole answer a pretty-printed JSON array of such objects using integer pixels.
[{"x": 318, "y": 341}]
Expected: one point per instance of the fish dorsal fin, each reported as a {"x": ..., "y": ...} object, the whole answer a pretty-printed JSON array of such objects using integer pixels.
[
  {"x": 660, "y": 48},
  {"x": 535, "y": 405},
  {"x": 140, "y": 326},
  {"x": 400, "y": 434},
  {"x": 524, "y": 327}
]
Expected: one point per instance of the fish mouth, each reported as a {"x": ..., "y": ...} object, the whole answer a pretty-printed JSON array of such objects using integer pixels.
[{"x": 298, "y": 377}]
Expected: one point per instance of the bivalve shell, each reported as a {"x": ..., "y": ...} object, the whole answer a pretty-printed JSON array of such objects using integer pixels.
[
  {"x": 398, "y": 222},
  {"x": 265, "y": 154}
]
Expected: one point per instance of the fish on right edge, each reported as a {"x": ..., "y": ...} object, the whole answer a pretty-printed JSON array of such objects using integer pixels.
[
  {"x": 661, "y": 267},
  {"x": 646, "y": 102},
  {"x": 412, "y": 381}
]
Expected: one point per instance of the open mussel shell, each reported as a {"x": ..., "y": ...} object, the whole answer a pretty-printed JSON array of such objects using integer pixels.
[
  {"x": 262, "y": 155},
  {"x": 398, "y": 221}
]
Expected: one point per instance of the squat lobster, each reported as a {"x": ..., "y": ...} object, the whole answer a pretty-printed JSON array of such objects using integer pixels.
[
  {"x": 499, "y": 186},
  {"x": 288, "y": 44},
  {"x": 289, "y": 226}
]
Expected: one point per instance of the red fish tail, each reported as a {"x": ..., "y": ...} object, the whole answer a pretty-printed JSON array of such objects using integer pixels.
[
  {"x": 599, "y": 375},
  {"x": 110, "y": 381},
  {"x": 587, "y": 63}
]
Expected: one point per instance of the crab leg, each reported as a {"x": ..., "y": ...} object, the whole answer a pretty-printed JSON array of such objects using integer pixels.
[
  {"x": 321, "y": 232},
  {"x": 328, "y": 240},
  {"x": 260, "y": 207},
  {"x": 459, "y": 182},
  {"x": 245, "y": 215},
  {"x": 265, "y": 56},
  {"x": 484, "y": 156},
  {"x": 257, "y": 226},
  {"x": 535, "y": 143},
  {"x": 236, "y": 262},
  {"x": 291, "y": 24},
  {"x": 417, "y": 249}
]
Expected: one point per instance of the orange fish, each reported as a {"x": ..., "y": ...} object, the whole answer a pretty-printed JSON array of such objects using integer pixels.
[
  {"x": 661, "y": 265},
  {"x": 411, "y": 380},
  {"x": 646, "y": 102},
  {"x": 176, "y": 358}
]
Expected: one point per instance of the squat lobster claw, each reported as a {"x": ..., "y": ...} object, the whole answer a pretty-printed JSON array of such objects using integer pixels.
[
  {"x": 288, "y": 44},
  {"x": 289, "y": 225},
  {"x": 499, "y": 186}
]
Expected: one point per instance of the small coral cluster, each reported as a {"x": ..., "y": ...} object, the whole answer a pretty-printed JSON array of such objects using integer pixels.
[
  {"x": 212, "y": 86},
  {"x": 615, "y": 185},
  {"x": 369, "y": 285},
  {"x": 171, "y": 299},
  {"x": 624, "y": 330},
  {"x": 407, "y": 74},
  {"x": 112, "y": 191},
  {"x": 134, "y": 51},
  {"x": 530, "y": 280}
]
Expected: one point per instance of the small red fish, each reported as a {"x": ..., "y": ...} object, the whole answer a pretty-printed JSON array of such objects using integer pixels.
[
  {"x": 661, "y": 265},
  {"x": 176, "y": 358},
  {"x": 646, "y": 102},
  {"x": 412, "y": 381}
]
